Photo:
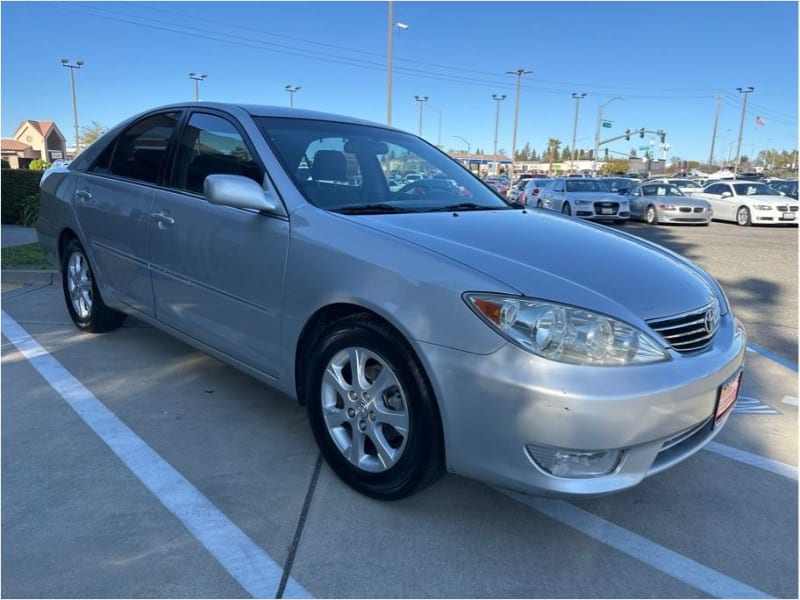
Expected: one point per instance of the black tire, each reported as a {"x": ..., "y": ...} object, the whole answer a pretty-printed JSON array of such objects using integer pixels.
[
  {"x": 743, "y": 216},
  {"x": 420, "y": 459},
  {"x": 84, "y": 303},
  {"x": 566, "y": 210},
  {"x": 539, "y": 204},
  {"x": 650, "y": 215}
]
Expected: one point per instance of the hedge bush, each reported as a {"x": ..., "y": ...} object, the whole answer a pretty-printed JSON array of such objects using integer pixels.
[{"x": 16, "y": 185}]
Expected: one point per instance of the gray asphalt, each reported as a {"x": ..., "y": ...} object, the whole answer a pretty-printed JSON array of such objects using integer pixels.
[{"x": 77, "y": 523}]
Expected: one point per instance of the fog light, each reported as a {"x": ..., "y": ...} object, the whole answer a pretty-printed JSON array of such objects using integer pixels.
[{"x": 575, "y": 463}]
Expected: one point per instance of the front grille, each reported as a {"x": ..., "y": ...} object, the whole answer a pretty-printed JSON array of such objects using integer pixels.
[
  {"x": 685, "y": 209},
  {"x": 794, "y": 208},
  {"x": 690, "y": 332},
  {"x": 783, "y": 208},
  {"x": 699, "y": 209}
]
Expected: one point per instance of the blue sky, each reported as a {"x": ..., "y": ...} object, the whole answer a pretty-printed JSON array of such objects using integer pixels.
[{"x": 668, "y": 60}]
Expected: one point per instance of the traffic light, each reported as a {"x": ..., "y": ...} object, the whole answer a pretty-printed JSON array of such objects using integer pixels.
[
  {"x": 627, "y": 134},
  {"x": 662, "y": 136},
  {"x": 641, "y": 133},
  {"x": 606, "y": 153}
]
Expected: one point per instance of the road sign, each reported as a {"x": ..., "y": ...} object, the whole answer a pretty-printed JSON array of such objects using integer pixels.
[
  {"x": 607, "y": 124},
  {"x": 644, "y": 147}
]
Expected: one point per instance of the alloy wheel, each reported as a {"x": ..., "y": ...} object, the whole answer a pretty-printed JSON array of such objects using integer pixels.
[{"x": 79, "y": 284}]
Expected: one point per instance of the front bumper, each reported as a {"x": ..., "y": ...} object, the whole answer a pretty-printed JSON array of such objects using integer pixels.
[
  {"x": 494, "y": 405},
  {"x": 683, "y": 216},
  {"x": 774, "y": 217}
]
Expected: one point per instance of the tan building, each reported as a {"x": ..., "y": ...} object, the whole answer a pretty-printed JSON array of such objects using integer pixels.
[{"x": 32, "y": 140}]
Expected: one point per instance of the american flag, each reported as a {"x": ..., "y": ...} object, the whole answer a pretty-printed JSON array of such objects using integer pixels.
[{"x": 760, "y": 121}]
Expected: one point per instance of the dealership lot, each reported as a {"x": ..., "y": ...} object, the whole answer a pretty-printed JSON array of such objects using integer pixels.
[{"x": 88, "y": 511}]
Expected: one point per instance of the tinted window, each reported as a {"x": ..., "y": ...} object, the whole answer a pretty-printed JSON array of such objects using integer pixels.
[
  {"x": 750, "y": 189},
  {"x": 586, "y": 185},
  {"x": 716, "y": 188},
  {"x": 140, "y": 151},
  {"x": 211, "y": 145}
]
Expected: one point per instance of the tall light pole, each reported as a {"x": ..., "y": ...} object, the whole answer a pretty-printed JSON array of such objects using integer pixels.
[
  {"x": 597, "y": 129},
  {"x": 744, "y": 91},
  {"x": 420, "y": 100},
  {"x": 469, "y": 146},
  {"x": 291, "y": 91},
  {"x": 578, "y": 98},
  {"x": 519, "y": 73},
  {"x": 402, "y": 27},
  {"x": 77, "y": 65},
  {"x": 497, "y": 98},
  {"x": 714, "y": 133},
  {"x": 197, "y": 79}
]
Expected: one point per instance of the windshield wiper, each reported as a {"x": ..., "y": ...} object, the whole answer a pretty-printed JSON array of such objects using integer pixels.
[
  {"x": 464, "y": 206},
  {"x": 369, "y": 209}
]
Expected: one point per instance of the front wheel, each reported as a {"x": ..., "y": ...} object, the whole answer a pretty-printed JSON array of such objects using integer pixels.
[
  {"x": 650, "y": 215},
  {"x": 565, "y": 209},
  {"x": 85, "y": 306},
  {"x": 743, "y": 216},
  {"x": 371, "y": 410}
]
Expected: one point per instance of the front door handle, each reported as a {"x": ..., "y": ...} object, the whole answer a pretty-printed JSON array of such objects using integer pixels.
[
  {"x": 83, "y": 195},
  {"x": 163, "y": 219}
]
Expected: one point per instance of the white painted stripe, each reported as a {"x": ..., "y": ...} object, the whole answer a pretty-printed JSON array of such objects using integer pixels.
[
  {"x": 789, "y": 400},
  {"x": 247, "y": 563},
  {"x": 753, "y": 460},
  {"x": 665, "y": 560}
]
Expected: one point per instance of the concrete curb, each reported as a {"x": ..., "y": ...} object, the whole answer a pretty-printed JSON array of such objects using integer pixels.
[{"x": 27, "y": 277}]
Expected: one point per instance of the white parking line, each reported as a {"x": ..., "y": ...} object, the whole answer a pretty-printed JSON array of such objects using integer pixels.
[
  {"x": 754, "y": 460},
  {"x": 665, "y": 560},
  {"x": 247, "y": 563},
  {"x": 789, "y": 400}
]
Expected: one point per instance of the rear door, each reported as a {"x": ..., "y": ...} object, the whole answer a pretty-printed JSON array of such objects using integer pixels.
[
  {"x": 217, "y": 270},
  {"x": 113, "y": 199}
]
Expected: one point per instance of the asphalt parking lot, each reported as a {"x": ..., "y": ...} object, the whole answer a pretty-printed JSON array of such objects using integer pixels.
[{"x": 134, "y": 466}]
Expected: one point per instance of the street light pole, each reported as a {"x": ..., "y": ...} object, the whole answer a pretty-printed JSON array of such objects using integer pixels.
[
  {"x": 420, "y": 100},
  {"x": 497, "y": 98},
  {"x": 291, "y": 91},
  {"x": 197, "y": 79},
  {"x": 744, "y": 91},
  {"x": 77, "y": 65},
  {"x": 597, "y": 130},
  {"x": 519, "y": 73},
  {"x": 402, "y": 27},
  {"x": 578, "y": 98}
]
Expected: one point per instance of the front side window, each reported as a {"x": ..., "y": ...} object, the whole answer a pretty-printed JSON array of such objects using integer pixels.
[
  {"x": 211, "y": 145},
  {"x": 140, "y": 151},
  {"x": 358, "y": 168},
  {"x": 586, "y": 185},
  {"x": 751, "y": 189}
]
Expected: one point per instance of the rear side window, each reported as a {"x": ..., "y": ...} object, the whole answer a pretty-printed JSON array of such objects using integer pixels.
[
  {"x": 140, "y": 151},
  {"x": 211, "y": 145}
]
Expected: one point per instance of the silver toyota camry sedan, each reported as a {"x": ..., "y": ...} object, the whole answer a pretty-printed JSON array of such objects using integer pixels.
[{"x": 425, "y": 329}]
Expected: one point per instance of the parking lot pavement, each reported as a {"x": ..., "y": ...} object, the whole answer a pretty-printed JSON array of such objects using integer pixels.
[{"x": 78, "y": 521}]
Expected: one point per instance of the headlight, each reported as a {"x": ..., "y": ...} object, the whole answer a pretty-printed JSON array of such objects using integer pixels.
[
  {"x": 565, "y": 333},
  {"x": 666, "y": 207},
  {"x": 762, "y": 207},
  {"x": 583, "y": 202}
]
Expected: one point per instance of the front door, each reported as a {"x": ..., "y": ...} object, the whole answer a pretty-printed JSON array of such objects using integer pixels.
[{"x": 218, "y": 271}]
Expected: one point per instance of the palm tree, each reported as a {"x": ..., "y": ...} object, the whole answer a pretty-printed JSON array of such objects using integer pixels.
[{"x": 553, "y": 145}]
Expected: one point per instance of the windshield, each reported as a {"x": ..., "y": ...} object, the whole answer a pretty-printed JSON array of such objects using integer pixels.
[
  {"x": 586, "y": 185},
  {"x": 661, "y": 189},
  {"x": 751, "y": 189},
  {"x": 363, "y": 169},
  {"x": 684, "y": 183}
]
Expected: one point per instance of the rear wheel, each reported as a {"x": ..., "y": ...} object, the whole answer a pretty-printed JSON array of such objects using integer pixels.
[
  {"x": 650, "y": 215},
  {"x": 743, "y": 216},
  {"x": 565, "y": 209},
  {"x": 84, "y": 303},
  {"x": 371, "y": 409}
]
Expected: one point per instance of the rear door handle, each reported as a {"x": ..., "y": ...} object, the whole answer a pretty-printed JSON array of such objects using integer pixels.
[
  {"x": 83, "y": 195},
  {"x": 163, "y": 219}
]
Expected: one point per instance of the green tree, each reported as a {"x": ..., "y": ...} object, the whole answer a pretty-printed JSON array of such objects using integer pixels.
[
  {"x": 38, "y": 165},
  {"x": 553, "y": 144},
  {"x": 90, "y": 133},
  {"x": 633, "y": 153},
  {"x": 565, "y": 154},
  {"x": 534, "y": 156},
  {"x": 614, "y": 165}
]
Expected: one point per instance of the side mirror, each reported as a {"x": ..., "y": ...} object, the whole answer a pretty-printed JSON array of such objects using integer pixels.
[
  {"x": 726, "y": 195},
  {"x": 237, "y": 191}
]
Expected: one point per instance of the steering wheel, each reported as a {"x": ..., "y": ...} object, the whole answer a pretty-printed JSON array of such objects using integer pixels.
[{"x": 417, "y": 188}]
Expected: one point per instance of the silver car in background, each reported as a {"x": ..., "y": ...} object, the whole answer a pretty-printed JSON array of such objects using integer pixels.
[
  {"x": 531, "y": 193},
  {"x": 656, "y": 203},
  {"x": 424, "y": 329},
  {"x": 585, "y": 198}
]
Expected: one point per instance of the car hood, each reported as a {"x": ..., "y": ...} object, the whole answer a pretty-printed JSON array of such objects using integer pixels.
[
  {"x": 595, "y": 196},
  {"x": 681, "y": 200},
  {"x": 767, "y": 199},
  {"x": 558, "y": 258}
]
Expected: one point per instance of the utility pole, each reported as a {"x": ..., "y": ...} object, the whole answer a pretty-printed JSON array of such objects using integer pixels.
[
  {"x": 197, "y": 80},
  {"x": 744, "y": 91},
  {"x": 714, "y": 134},
  {"x": 420, "y": 100},
  {"x": 77, "y": 65},
  {"x": 401, "y": 27},
  {"x": 497, "y": 98},
  {"x": 597, "y": 131},
  {"x": 578, "y": 98},
  {"x": 291, "y": 91},
  {"x": 519, "y": 73}
]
